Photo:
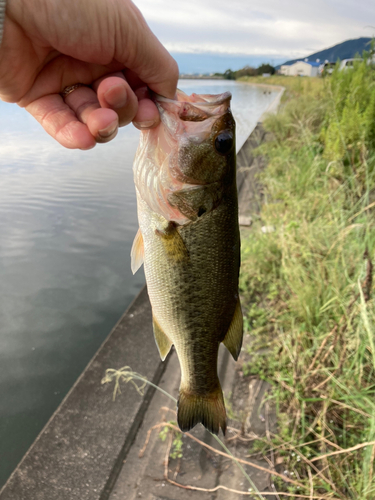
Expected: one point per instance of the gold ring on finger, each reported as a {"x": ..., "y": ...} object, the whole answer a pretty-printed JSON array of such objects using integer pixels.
[{"x": 71, "y": 88}]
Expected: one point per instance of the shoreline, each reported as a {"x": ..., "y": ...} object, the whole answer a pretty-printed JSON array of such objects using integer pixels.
[
  {"x": 192, "y": 77},
  {"x": 272, "y": 107},
  {"x": 265, "y": 85}
]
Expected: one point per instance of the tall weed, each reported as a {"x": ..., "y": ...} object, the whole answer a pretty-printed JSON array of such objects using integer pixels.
[{"x": 308, "y": 285}]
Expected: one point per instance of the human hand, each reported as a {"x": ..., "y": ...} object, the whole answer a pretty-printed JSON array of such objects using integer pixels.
[{"x": 105, "y": 45}]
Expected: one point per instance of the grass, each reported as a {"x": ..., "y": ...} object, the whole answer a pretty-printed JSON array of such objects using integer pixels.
[
  {"x": 294, "y": 87},
  {"x": 308, "y": 285}
]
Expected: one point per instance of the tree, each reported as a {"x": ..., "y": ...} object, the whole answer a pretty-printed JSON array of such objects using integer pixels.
[
  {"x": 266, "y": 68},
  {"x": 229, "y": 75},
  {"x": 246, "y": 71}
]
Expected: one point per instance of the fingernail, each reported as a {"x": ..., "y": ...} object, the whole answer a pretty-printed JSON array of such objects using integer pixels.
[
  {"x": 144, "y": 125},
  {"x": 142, "y": 93},
  {"x": 116, "y": 96},
  {"x": 109, "y": 130}
]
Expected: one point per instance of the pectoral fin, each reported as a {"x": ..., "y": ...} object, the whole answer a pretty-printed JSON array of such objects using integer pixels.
[
  {"x": 174, "y": 245},
  {"x": 233, "y": 338},
  {"x": 137, "y": 252},
  {"x": 162, "y": 341}
]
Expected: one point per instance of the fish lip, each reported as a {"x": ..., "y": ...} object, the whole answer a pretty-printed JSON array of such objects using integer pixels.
[{"x": 221, "y": 99}]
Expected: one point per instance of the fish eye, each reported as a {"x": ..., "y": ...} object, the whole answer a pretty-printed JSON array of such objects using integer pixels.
[{"x": 224, "y": 142}]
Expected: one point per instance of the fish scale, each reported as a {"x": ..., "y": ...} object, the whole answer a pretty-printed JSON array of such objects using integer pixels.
[{"x": 192, "y": 266}]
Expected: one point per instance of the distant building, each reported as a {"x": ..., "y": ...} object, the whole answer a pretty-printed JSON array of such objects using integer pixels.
[
  {"x": 301, "y": 68},
  {"x": 284, "y": 69}
]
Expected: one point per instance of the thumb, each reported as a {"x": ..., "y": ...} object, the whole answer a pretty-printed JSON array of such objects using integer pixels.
[{"x": 140, "y": 51}]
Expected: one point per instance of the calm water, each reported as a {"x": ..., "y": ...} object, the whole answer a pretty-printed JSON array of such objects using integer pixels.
[{"x": 67, "y": 222}]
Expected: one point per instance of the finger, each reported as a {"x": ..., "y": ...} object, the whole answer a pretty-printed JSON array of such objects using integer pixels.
[
  {"x": 147, "y": 115},
  {"x": 114, "y": 90},
  {"x": 115, "y": 93},
  {"x": 102, "y": 123},
  {"x": 59, "y": 121},
  {"x": 60, "y": 73},
  {"x": 139, "y": 50}
]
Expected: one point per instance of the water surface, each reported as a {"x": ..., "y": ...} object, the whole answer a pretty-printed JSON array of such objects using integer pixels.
[{"x": 67, "y": 222}]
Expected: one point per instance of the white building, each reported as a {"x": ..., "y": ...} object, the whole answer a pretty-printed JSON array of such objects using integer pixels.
[
  {"x": 284, "y": 69},
  {"x": 301, "y": 68}
]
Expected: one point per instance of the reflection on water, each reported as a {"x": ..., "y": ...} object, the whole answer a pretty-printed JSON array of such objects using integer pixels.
[{"x": 67, "y": 221}]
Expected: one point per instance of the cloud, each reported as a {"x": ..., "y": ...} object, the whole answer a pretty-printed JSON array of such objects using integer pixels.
[{"x": 260, "y": 27}]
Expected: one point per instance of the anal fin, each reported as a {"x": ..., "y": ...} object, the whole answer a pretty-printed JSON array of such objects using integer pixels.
[
  {"x": 233, "y": 338},
  {"x": 137, "y": 252},
  {"x": 161, "y": 339}
]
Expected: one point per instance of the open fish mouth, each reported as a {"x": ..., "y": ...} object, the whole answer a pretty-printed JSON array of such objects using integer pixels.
[
  {"x": 198, "y": 99},
  {"x": 194, "y": 108}
]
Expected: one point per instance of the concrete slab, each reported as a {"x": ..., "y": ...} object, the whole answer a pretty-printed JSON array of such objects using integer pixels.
[
  {"x": 142, "y": 474},
  {"x": 144, "y": 477},
  {"x": 249, "y": 165}
]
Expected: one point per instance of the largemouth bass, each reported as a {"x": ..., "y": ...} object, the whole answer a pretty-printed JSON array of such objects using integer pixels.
[{"x": 188, "y": 239}]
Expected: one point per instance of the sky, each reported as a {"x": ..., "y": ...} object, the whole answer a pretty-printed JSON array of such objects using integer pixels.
[{"x": 214, "y": 35}]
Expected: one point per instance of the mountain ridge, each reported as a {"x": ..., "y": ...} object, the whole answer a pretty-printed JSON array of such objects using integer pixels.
[{"x": 344, "y": 50}]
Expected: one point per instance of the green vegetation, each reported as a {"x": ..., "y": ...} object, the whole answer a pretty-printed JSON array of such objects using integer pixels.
[
  {"x": 308, "y": 285},
  {"x": 177, "y": 443},
  {"x": 247, "y": 71},
  {"x": 295, "y": 86}
]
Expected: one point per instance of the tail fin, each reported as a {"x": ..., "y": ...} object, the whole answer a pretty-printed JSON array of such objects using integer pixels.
[{"x": 208, "y": 409}]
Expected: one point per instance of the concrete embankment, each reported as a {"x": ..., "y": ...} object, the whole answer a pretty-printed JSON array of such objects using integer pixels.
[{"x": 89, "y": 448}]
